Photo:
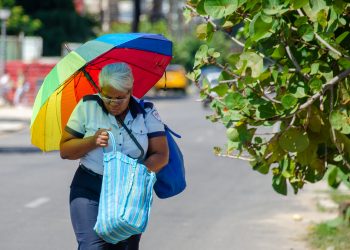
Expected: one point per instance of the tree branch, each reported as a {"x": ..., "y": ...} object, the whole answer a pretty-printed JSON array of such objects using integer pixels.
[
  {"x": 295, "y": 63},
  {"x": 325, "y": 87},
  {"x": 227, "y": 70},
  {"x": 236, "y": 157},
  {"x": 210, "y": 95},
  {"x": 327, "y": 45},
  {"x": 214, "y": 25},
  {"x": 265, "y": 96}
]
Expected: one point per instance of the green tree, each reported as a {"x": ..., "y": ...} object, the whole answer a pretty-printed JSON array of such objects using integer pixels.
[
  {"x": 19, "y": 21},
  {"x": 60, "y": 23},
  {"x": 292, "y": 72}
]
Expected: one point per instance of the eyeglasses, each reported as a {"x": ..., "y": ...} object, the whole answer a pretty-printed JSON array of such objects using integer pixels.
[{"x": 115, "y": 101}]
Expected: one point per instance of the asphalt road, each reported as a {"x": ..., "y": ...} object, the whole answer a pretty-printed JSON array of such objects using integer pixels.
[{"x": 225, "y": 206}]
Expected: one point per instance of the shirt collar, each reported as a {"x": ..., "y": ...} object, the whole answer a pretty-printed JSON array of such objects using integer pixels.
[{"x": 135, "y": 108}]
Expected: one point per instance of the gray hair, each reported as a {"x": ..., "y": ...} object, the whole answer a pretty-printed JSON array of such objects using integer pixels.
[{"x": 118, "y": 76}]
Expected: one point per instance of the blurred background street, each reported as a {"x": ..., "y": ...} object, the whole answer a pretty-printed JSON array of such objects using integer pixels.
[{"x": 225, "y": 206}]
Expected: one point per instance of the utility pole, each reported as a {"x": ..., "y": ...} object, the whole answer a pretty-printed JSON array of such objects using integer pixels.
[
  {"x": 105, "y": 15},
  {"x": 137, "y": 13}
]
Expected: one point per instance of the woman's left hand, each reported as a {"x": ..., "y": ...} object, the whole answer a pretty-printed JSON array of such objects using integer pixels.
[{"x": 101, "y": 138}]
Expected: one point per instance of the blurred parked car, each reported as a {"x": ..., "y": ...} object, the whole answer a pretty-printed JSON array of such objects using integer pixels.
[
  {"x": 210, "y": 75},
  {"x": 175, "y": 79}
]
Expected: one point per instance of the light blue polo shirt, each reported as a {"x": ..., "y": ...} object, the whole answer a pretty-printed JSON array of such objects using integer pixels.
[{"x": 90, "y": 114}]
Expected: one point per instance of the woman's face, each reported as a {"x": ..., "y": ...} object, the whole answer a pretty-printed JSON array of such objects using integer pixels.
[{"x": 116, "y": 101}]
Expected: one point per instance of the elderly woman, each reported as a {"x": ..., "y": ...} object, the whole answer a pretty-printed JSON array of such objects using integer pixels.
[{"x": 85, "y": 135}]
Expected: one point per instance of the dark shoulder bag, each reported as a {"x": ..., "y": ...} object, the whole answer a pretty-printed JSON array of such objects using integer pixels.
[{"x": 171, "y": 178}]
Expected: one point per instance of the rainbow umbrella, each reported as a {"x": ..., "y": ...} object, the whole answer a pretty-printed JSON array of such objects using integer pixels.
[{"x": 76, "y": 75}]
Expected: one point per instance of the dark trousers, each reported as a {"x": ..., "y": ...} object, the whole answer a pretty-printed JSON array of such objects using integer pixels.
[{"x": 84, "y": 199}]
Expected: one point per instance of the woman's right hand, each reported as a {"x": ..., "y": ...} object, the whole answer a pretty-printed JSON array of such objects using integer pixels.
[{"x": 101, "y": 138}]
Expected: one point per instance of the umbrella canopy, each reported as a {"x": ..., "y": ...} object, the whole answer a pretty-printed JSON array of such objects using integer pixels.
[{"x": 76, "y": 75}]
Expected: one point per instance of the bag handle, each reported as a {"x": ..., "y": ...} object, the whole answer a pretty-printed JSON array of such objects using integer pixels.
[
  {"x": 142, "y": 152},
  {"x": 111, "y": 136}
]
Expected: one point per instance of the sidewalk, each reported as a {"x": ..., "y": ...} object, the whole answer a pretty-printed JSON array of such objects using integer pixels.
[{"x": 14, "y": 118}]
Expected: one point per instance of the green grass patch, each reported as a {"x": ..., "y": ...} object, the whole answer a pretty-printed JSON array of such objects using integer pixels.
[
  {"x": 339, "y": 197},
  {"x": 334, "y": 233}
]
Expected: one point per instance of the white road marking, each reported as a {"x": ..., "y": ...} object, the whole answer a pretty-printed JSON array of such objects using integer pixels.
[{"x": 37, "y": 202}]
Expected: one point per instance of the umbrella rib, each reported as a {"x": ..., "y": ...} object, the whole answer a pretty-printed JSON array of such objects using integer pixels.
[
  {"x": 75, "y": 85},
  {"x": 66, "y": 82},
  {"x": 87, "y": 75},
  {"x": 95, "y": 61}
]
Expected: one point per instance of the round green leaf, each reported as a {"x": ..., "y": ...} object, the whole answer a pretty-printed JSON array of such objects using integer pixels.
[
  {"x": 279, "y": 184},
  {"x": 220, "y": 89},
  {"x": 235, "y": 101},
  {"x": 201, "y": 31},
  {"x": 266, "y": 18},
  {"x": 232, "y": 134},
  {"x": 322, "y": 18},
  {"x": 272, "y": 7},
  {"x": 253, "y": 61},
  {"x": 337, "y": 119},
  {"x": 278, "y": 52},
  {"x": 259, "y": 29},
  {"x": 316, "y": 85},
  {"x": 274, "y": 152},
  {"x": 309, "y": 155},
  {"x": 227, "y": 25},
  {"x": 344, "y": 62},
  {"x": 340, "y": 121},
  {"x": 294, "y": 140},
  {"x": 306, "y": 31},
  {"x": 200, "y": 8},
  {"x": 289, "y": 101},
  {"x": 265, "y": 111},
  {"x": 299, "y": 90},
  {"x": 300, "y": 21},
  {"x": 216, "y": 54},
  {"x": 297, "y": 4},
  {"x": 220, "y": 8},
  {"x": 317, "y": 5},
  {"x": 314, "y": 68}
]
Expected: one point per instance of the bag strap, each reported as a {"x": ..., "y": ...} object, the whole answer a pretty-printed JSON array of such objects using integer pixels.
[
  {"x": 133, "y": 138},
  {"x": 113, "y": 141},
  {"x": 111, "y": 136},
  {"x": 172, "y": 132}
]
